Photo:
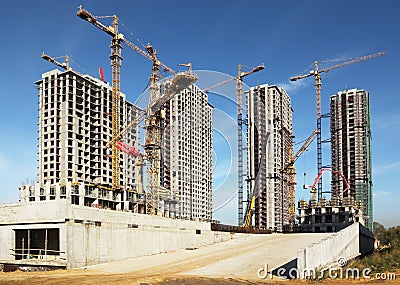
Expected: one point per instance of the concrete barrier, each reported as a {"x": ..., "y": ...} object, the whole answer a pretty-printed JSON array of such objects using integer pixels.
[{"x": 346, "y": 244}]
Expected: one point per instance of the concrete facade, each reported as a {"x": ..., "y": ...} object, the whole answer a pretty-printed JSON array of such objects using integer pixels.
[
  {"x": 187, "y": 153},
  {"x": 350, "y": 242},
  {"x": 75, "y": 125},
  {"x": 269, "y": 149},
  {"x": 351, "y": 147},
  {"x": 89, "y": 235}
]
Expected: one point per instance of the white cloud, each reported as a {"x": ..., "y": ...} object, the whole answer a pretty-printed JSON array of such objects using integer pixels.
[
  {"x": 380, "y": 194},
  {"x": 295, "y": 86},
  {"x": 386, "y": 168}
]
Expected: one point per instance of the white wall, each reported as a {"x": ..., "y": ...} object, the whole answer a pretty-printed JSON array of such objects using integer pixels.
[{"x": 347, "y": 243}]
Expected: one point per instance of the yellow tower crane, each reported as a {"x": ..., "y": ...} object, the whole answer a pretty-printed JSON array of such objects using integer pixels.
[
  {"x": 316, "y": 72},
  {"x": 152, "y": 114}
]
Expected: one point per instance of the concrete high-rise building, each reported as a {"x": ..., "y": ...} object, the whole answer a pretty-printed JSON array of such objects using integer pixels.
[
  {"x": 74, "y": 126},
  {"x": 269, "y": 150},
  {"x": 187, "y": 153},
  {"x": 351, "y": 148}
]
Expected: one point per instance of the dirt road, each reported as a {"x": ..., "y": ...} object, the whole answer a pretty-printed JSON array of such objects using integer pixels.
[{"x": 232, "y": 262}]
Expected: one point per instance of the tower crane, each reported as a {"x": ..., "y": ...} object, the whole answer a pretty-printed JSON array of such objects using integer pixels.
[
  {"x": 316, "y": 72},
  {"x": 64, "y": 65},
  {"x": 153, "y": 115},
  {"x": 239, "y": 95}
]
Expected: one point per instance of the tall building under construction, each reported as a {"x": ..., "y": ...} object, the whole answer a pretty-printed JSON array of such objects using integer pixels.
[
  {"x": 351, "y": 148},
  {"x": 187, "y": 153},
  {"x": 269, "y": 150},
  {"x": 74, "y": 126}
]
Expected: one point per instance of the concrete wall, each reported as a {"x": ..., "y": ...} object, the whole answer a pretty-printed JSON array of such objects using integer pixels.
[
  {"x": 90, "y": 244},
  {"x": 347, "y": 243},
  {"x": 90, "y": 235}
]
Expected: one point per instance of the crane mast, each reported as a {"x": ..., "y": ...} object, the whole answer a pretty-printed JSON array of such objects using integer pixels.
[
  {"x": 153, "y": 142},
  {"x": 116, "y": 59},
  {"x": 318, "y": 86},
  {"x": 239, "y": 98},
  {"x": 239, "y": 95}
]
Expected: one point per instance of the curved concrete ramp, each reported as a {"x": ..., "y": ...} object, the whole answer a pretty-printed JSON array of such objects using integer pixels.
[{"x": 241, "y": 257}]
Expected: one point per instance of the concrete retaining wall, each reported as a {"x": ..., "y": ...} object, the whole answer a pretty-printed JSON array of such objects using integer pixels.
[
  {"x": 345, "y": 244},
  {"x": 90, "y": 236},
  {"x": 127, "y": 235},
  {"x": 89, "y": 244}
]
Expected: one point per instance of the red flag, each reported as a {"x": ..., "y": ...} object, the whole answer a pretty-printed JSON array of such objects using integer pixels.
[{"x": 101, "y": 74}]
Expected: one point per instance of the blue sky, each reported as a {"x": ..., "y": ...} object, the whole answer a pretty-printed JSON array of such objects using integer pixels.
[{"x": 287, "y": 36}]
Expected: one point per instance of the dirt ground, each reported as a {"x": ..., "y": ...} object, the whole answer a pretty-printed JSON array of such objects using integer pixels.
[
  {"x": 232, "y": 262},
  {"x": 69, "y": 277}
]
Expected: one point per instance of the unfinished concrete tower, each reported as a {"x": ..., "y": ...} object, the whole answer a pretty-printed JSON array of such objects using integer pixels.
[
  {"x": 351, "y": 147},
  {"x": 269, "y": 149},
  {"x": 187, "y": 154},
  {"x": 74, "y": 126}
]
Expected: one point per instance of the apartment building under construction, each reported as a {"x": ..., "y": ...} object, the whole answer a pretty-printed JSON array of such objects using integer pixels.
[
  {"x": 351, "y": 148},
  {"x": 269, "y": 150},
  {"x": 74, "y": 125}
]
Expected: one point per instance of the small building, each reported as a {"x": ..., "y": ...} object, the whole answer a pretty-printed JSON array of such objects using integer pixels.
[{"x": 328, "y": 216}]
